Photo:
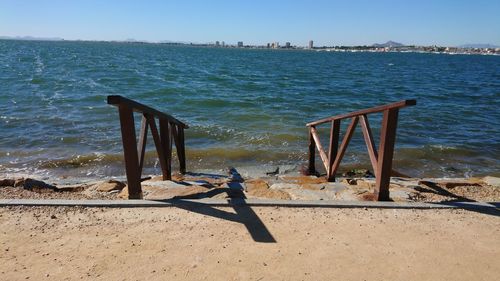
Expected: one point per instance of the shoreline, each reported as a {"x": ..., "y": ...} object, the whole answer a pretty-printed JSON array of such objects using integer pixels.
[
  {"x": 284, "y": 183},
  {"x": 493, "y": 51},
  {"x": 433, "y": 161}
]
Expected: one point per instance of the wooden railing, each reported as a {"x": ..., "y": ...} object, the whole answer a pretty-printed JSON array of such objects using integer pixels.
[
  {"x": 381, "y": 161},
  {"x": 169, "y": 129}
]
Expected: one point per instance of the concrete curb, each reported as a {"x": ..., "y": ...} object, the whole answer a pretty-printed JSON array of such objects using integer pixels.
[{"x": 494, "y": 206}]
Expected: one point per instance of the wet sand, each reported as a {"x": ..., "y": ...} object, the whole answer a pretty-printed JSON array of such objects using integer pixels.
[{"x": 265, "y": 243}]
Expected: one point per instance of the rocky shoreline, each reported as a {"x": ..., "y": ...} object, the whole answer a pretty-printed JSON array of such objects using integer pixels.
[{"x": 354, "y": 186}]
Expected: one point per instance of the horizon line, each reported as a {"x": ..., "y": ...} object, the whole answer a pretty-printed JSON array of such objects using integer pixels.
[{"x": 167, "y": 41}]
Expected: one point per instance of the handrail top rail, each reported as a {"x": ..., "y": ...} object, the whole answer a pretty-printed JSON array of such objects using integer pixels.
[
  {"x": 118, "y": 100},
  {"x": 399, "y": 104}
]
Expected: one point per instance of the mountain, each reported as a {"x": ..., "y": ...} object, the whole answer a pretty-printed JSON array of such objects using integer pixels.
[
  {"x": 388, "y": 44},
  {"x": 481, "y": 46}
]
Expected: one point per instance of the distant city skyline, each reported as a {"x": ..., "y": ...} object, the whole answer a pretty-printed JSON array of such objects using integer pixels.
[{"x": 258, "y": 22}]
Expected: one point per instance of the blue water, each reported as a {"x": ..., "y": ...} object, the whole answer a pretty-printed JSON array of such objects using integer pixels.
[{"x": 244, "y": 107}]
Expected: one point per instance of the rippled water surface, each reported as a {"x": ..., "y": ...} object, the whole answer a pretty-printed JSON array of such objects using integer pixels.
[{"x": 244, "y": 107}]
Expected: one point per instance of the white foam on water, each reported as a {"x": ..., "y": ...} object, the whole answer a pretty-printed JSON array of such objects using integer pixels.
[{"x": 40, "y": 66}]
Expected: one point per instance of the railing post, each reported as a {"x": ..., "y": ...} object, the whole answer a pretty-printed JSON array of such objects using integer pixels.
[
  {"x": 312, "y": 153},
  {"x": 344, "y": 144},
  {"x": 141, "y": 147},
  {"x": 370, "y": 143},
  {"x": 334, "y": 147},
  {"x": 386, "y": 151},
  {"x": 181, "y": 151},
  {"x": 158, "y": 145},
  {"x": 130, "y": 152},
  {"x": 166, "y": 143}
]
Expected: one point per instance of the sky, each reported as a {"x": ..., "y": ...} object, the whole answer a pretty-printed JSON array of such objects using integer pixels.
[{"x": 354, "y": 22}]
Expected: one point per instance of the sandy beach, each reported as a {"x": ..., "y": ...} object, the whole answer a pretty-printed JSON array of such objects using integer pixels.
[{"x": 264, "y": 243}]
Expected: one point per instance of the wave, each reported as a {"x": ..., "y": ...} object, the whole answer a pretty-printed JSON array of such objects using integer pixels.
[
  {"x": 420, "y": 162},
  {"x": 212, "y": 155}
]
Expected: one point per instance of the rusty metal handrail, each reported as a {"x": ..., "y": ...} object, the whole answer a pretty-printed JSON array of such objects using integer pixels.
[
  {"x": 381, "y": 161},
  {"x": 169, "y": 129}
]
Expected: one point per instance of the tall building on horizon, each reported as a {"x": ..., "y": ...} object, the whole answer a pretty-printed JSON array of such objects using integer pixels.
[
  {"x": 311, "y": 44},
  {"x": 240, "y": 44}
]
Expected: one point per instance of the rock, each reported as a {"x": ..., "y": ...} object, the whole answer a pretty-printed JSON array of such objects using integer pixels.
[
  {"x": 201, "y": 182},
  {"x": 7, "y": 182},
  {"x": 304, "y": 170},
  {"x": 350, "y": 181},
  {"x": 368, "y": 197},
  {"x": 257, "y": 184},
  {"x": 273, "y": 173},
  {"x": 123, "y": 194},
  {"x": 169, "y": 189},
  {"x": 19, "y": 182},
  {"x": 285, "y": 186},
  {"x": 359, "y": 173},
  {"x": 177, "y": 177},
  {"x": 206, "y": 181},
  {"x": 185, "y": 192},
  {"x": 400, "y": 195},
  {"x": 157, "y": 178},
  {"x": 164, "y": 184},
  {"x": 303, "y": 194},
  {"x": 36, "y": 185},
  {"x": 367, "y": 184},
  {"x": 70, "y": 188},
  {"x": 305, "y": 180},
  {"x": 259, "y": 188},
  {"x": 110, "y": 185},
  {"x": 493, "y": 181},
  {"x": 314, "y": 186}
]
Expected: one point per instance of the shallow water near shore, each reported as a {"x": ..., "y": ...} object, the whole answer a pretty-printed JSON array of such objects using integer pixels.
[{"x": 244, "y": 107}]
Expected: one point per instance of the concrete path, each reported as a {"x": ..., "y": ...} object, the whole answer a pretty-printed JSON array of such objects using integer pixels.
[{"x": 494, "y": 206}]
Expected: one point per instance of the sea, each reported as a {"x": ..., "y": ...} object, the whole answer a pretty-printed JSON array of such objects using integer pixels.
[{"x": 244, "y": 107}]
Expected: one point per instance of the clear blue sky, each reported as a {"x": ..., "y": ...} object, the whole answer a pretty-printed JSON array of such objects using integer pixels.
[{"x": 424, "y": 22}]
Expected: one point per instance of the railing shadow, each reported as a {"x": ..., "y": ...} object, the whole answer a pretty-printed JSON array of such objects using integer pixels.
[
  {"x": 435, "y": 188},
  {"x": 243, "y": 213},
  {"x": 486, "y": 210},
  {"x": 459, "y": 201}
]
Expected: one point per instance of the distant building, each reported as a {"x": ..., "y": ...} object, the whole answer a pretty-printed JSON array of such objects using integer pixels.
[
  {"x": 217, "y": 44},
  {"x": 311, "y": 44},
  {"x": 287, "y": 45},
  {"x": 275, "y": 45},
  {"x": 268, "y": 45},
  {"x": 223, "y": 44},
  {"x": 240, "y": 44}
]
